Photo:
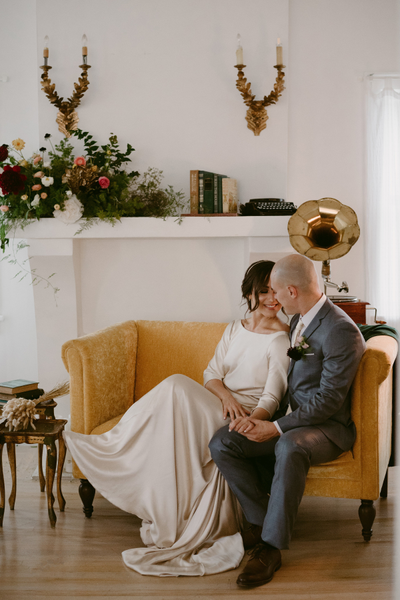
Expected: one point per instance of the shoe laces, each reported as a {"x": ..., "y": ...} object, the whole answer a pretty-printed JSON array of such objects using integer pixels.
[{"x": 257, "y": 550}]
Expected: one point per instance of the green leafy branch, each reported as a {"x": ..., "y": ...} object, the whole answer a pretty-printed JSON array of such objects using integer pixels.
[{"x": 25, "y": 271}]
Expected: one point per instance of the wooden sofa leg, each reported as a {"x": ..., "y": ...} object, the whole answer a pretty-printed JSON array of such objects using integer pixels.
[
  {"x": 87, "y": 492},
  {"x": 384, "y": 489},
  {"x": 367, "y": 513}
]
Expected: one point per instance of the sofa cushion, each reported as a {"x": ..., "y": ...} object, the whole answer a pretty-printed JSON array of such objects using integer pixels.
[{"x": 107, "y": 425}]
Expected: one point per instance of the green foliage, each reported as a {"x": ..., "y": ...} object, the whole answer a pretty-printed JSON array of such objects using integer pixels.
[{"x": 155, "y": 201}]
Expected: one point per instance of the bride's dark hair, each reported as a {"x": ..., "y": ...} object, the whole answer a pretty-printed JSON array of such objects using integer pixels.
[{"x": 254, "y": 280}]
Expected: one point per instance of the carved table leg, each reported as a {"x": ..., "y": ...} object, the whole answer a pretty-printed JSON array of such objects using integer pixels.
[
  {"x": 13, "y": 467},
  {"x": 367, "y": 513},
  {"x": 42, "y": 481},
  {"x": 2, "y": 489},
  {"x": 60, "y": 466},
  {"x": 87, "y": 492},
  {"x": 384, "y": 489},
  {"x": 50, "y": 473}
]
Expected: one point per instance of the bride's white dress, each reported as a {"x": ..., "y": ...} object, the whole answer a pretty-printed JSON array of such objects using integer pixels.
[{"x": 156, "y": 464}]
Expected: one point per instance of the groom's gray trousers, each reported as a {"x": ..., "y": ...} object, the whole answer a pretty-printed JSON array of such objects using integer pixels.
[{"x": 279, "y": 466}]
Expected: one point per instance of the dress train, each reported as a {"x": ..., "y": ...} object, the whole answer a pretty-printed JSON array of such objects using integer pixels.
[{"x": 156, "y": 464}]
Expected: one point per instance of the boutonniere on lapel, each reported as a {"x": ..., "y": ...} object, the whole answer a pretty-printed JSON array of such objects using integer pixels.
[{"x": 297, "y": 351}]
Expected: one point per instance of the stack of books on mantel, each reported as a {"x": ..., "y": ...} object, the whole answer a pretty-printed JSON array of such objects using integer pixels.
[
  {"x": 212, "y": 194},
  {"x": 19, "y": 388}
]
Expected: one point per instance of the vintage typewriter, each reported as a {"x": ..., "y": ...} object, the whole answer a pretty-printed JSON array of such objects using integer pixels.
[{"x": 267, "y": 206}]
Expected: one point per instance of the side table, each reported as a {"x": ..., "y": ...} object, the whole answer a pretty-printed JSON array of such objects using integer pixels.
[
  {"x": 47, "y": 433},
  {"x": 45, "y": 410}
]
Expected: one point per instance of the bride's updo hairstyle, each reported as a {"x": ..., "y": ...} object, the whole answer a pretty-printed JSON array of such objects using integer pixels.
[{"x": 255, "y": 279}]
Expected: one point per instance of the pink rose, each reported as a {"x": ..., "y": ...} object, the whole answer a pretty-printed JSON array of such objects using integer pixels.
[
  {"x": 80, "y": 161},
  {"x": 36, "y": 187},
  {"x": 38, "y": 174},
  {"x": 4, "y": 208},
  {"x": 37, "y": 159},
  {"x": 104, "y": 182}
]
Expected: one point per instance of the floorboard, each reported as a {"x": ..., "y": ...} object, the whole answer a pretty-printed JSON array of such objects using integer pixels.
[{"x": 81, "y": 558}]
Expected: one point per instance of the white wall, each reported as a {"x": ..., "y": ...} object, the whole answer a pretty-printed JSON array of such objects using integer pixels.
[
  {"x": 18, "y": 118},
  {"x": 163, "y": 79}
]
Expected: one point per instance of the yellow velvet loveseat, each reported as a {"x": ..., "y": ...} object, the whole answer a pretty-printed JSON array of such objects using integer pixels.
[{"x": 114, "y": 367}]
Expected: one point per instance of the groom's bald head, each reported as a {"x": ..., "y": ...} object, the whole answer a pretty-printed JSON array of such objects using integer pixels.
[
  {"x": 298, "y": 271},
  {"x": 295, "y": 283}
]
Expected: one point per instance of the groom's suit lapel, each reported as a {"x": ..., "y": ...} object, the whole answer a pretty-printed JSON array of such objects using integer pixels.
[
  {"x": 318, "y": 319},
  {"x": 311, "y": 328}
]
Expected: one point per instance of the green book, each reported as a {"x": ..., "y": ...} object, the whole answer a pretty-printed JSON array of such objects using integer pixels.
[
  {"x": 17, "y": 385},
  {"x": 206, "y": 192}
]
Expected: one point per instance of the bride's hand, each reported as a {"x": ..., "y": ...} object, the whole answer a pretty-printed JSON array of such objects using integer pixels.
[
  {"x": 233, "y": 408},
  {"x": 241, "y": 425}
]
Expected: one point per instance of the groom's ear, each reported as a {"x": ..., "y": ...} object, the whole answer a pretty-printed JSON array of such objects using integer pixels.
[{"x": 292, "y": 291}]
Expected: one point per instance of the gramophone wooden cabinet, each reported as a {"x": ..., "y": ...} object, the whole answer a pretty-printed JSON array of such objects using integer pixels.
[{"x": 356, "y": 310}]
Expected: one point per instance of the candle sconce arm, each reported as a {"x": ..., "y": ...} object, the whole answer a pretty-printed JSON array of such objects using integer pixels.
[
  {"x": 276, "y": 93},
  {"x": 50, "y": 88}
]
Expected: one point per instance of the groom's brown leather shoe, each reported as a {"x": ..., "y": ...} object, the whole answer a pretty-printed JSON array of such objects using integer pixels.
[
  {"x": 264, "y": 561},
  {"x": 251, "y": 536}
]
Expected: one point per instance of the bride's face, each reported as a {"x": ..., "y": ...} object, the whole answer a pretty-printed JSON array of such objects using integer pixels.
[{"x": 268, "y": 305}]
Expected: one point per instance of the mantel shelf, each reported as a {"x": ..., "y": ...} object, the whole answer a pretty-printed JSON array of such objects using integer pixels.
[{"x": 146, "y": 227}]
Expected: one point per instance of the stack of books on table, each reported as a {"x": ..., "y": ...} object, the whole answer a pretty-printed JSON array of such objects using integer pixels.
[
  {"x": 19, "y": 388},
  {"x": 212, "y": 194}
]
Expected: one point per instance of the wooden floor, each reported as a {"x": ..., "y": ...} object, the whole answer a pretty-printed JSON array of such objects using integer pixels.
[{"x": 81, "y": 558}]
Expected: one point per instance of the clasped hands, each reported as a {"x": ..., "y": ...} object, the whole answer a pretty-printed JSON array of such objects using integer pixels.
[
  {"x": 255, "y": 430},
  {"x": 251, "y": 426}
]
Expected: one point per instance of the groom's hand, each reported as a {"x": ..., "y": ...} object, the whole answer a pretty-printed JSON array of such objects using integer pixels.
[{"x": 254, "y": 430}]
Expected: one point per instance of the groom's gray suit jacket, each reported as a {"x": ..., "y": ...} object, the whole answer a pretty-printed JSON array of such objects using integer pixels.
[{"x": 319, "y": 383}]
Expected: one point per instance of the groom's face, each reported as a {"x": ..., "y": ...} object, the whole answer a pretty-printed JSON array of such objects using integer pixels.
[{"x": 282, "y": 294}]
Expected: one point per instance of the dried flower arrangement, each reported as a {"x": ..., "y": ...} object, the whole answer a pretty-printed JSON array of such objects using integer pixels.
[{"x": 20, "y": 413}]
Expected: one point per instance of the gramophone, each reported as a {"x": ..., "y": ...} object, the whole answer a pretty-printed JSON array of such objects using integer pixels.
[{"x": 324, "y": 230}]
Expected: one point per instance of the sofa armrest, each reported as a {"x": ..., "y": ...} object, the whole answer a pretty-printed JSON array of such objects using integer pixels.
[
  {"x": 372, "y": 412},
  {"x": 102, "y": 375}
]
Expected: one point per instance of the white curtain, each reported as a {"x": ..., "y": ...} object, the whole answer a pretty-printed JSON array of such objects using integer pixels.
[
  {"x": 382, "y": 226},
  {"x": 382, "y": 216}
]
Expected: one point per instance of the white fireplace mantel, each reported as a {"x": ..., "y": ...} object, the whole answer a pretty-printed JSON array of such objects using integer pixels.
[
  {"x": 147, "y": 227},
  {"x": 208, "y": 244}
]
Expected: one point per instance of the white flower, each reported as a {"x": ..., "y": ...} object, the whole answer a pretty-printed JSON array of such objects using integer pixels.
[
  {"x": 73, "y": 210},
  {"x": 36, "y": 200},
  {"x": 1, "y": 170},
  {"x": 69, "y": 193},
  {"x": 47, "y": 164},
  {"x": 47, "y": 181}
]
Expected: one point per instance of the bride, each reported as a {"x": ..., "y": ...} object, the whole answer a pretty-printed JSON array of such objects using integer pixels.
[{"x": 155, "y": 463}]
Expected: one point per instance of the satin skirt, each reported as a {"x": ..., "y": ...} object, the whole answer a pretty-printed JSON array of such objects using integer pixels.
[{"x": 155, "y": 463}]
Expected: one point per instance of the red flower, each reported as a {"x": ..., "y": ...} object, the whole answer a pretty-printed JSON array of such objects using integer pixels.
[
  {"x": 3, "y": 152},
  {"x": 80, "y": 161},
  {"x": 11, "y": 180},
  {"x": 104, "y": 182}
]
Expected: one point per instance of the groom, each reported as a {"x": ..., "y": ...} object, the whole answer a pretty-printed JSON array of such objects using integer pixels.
[{"x": 312, "y": 426}]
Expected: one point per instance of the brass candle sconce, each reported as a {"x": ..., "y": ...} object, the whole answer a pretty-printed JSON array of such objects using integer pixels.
[
  {"x": 256, "y": 115},
  {"x": 67, "y": 117}
]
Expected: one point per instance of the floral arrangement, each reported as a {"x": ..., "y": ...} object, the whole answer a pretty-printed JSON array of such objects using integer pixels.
[
  {"x": 54, "y": 183},
  {"x": 297, "y": 351}
]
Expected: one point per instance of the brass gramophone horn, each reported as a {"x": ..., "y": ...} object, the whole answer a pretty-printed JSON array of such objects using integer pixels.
[{"x": 323, "y": 230}]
